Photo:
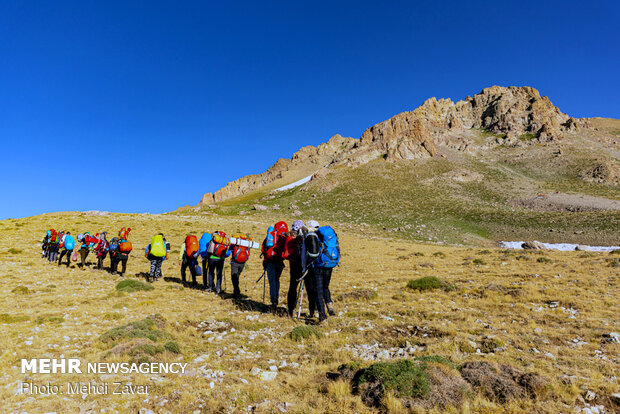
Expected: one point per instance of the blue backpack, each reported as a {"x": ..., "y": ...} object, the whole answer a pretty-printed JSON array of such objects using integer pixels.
[
  {"x": 330, "y": 252},
  {"x": 69, "y": 242},
  {"x": 203, "y": 244}
]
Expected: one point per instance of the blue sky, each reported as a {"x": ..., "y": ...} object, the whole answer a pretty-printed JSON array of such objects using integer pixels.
[{"x": 143, "y": 106}]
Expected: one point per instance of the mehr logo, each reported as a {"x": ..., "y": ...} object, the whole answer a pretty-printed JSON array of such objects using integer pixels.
[{"x": 51, "y": 366}]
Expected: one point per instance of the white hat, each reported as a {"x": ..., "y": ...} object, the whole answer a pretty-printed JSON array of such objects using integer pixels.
[{"x": 313, "y": 225}]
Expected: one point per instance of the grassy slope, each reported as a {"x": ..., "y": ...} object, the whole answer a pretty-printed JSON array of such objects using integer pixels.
[
  {"x": 66, "y": 310},
  {"x": 416, "y": 199}
]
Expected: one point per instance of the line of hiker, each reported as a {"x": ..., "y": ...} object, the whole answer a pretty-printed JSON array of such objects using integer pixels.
[
  {"x": 56, "y": 245},
  {"x": 311, "y": 251}
]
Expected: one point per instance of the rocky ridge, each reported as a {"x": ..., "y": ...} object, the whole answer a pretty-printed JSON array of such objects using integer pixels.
[{"x": 513, "y": 116}]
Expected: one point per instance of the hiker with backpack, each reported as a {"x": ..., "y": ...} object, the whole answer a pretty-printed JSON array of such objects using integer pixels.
[
  {"x": 101, "y": 250},
  {"x": 45, "y": 244},
  {"x": 273, "y": 263},
  {"x": 294, "y": 252},
  {"x": 53, "y": 246},
  {"x": 203, "y": 246},
  {"x": 239, "y": 256},
  {"x": 219, "y": 251},
  {"x": 322, "y": 267},
  {"x": 156, "y": 252},
  {"x": 88, "y": 243},
  {"x": 189, "y": 257},
  {"x": 68, "y": 243}
]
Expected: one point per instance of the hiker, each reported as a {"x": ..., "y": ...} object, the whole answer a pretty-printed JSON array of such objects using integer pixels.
[
  {"x": 203, "y": 246},
  {"x": 88, "y": 243},
  {"x": 189, "y": 257},
  {"x": 294, "y": 252},
  {"x": 113, "y": 249},
  {"x": 322, "y": 267},
  {"x": 101, "y": 250},
  {"x": 68, "y": 243},
  {"x": 219, "y": 250},
  {"x": 45, "y": 244},
  {"x": 53, "y": 246},
  {"x": 239, "y": 256},
  {"x": 122, "y": 250},
  {"x": 273, "y": 263},
  {"x": 156, "y": 252}
]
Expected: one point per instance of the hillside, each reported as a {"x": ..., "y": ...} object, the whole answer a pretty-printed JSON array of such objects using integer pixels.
[
  {"x": 505, "y": 164},
  {"x": 509, "y": 331}
]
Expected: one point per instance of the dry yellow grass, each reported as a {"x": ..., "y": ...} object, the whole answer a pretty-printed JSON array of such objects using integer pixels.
[{"x": 503, "y": 300}]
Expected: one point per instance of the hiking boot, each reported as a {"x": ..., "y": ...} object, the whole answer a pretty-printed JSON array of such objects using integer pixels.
[
  {"x": 323, "y": 320},
  {"x": 273, "y": 308},
  {"x": 330, "y": 309}
]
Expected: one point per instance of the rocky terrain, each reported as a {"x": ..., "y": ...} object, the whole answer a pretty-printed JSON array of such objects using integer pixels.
[
  {"x": 505, "y": 164},
  {"x": 511, "y": 113}
]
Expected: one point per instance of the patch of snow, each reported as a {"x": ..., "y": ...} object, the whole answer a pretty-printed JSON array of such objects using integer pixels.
[
  {"x": 560, "y": 246},
  {"x": 296, "y": 183}
]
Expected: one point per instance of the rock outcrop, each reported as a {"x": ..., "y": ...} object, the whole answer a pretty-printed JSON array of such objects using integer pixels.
[{"x": 504, "y": 113}]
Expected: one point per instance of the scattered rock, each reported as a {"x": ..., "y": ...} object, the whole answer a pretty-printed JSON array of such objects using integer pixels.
[
  {"x": 532, "y": 245},
  {"x": 259, "y": 207}
]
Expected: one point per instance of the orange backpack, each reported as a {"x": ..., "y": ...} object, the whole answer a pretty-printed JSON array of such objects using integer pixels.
[
  {"x": 125, "y": 247},
  {"x": 191, "y": 245}
]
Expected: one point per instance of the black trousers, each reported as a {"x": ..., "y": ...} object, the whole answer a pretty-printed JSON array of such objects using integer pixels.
[
  {"x": 192, "y": 262},
  {"x": 100, "y": 260},
  {"x": 62, "y": 254},
  {"x": 53, "y": 252},
  {"x": 205, "y": 272},
  {"x": 216, "y": 265},
  {"x": 321, "y": 276},
  {"x": 291, "y": 297},
  {"x": 117, "y": 258},
  {"x": 235, "y": 272}
]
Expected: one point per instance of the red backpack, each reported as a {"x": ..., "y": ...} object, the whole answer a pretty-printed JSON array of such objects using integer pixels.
[
  {"x": 53, "y": 236},
  {"x": 240, "y": 254},
  {"x": 275, "y": 251},
  {"x": 191, "y": 245},
  {"x": 219, "y": 244}
]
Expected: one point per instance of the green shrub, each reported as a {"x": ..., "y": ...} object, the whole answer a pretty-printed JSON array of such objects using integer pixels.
[
  {"x": 304, "y": 332},
  {"x": 405, "y": 377},
  {"x": 173, "y": 347},
  {"x": 437, "y": 359},
  {"x": 428, "y": 283},
  {"x": 544, "y": 260},
  {"x": 7, "y": 318},
  {"x": 479, "y": 262},
  {"x": 13, "y": 250},
  {"x": 439, "y": 254},
  {"x": 145, "y": 328},
  {"x": 133, "y": 285},
  {"x": 21, "y": 290}
]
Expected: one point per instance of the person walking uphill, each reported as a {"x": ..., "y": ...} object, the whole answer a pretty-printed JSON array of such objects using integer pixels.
[
  {"x": 101, "y": 250},
  {"x": 240, "y": 255},
  {"x": 156, "y": 252},
  {"x": 52, "y": 246},
  {"x": 219, "y": 251},
  {"x": 294, "y": 252},
  {"x": 189, "y": 257},
  {"x": 68, "y": 246},
  {"x": 322, "y": 268},
  {"x": 272, "y": 250}
]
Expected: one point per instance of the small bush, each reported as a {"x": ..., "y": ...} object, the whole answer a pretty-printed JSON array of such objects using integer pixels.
[
  {"x": 418, "y": 254},
  {"x": 13, "y": 250},
  {"x": 173, "y": 347},
  {"x": 304, "y": 332},
  {"x": 21, "y": 290},
  {"x": 437, "y": 359},
  {"x": 405, "y": 377},
  {"x": 7, "y": 318},
  {"x": 145, "y": 328},
  {"x": 479, "y": 262},
  {"x": 439, "y": 254},
  {"x": 544, "y": 259},
  {"x": 488, "y": 345},
  {"x": 133, "y": 285},
  {"x": 429, "y": 283},
  {"x": 49, "y": 318}
]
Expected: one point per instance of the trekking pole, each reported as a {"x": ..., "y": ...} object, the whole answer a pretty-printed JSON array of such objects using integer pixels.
[
  {"x": 264, "y": 283},
  {"x": 301, "y": 292},
  {"x": 301, "y": 298},
  {"x": 260, "y": 277},
  {"x": 245, "y": 284}
]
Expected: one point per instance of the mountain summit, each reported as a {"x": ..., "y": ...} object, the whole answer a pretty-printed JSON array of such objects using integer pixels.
[{"x": 516, "y": 116}]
